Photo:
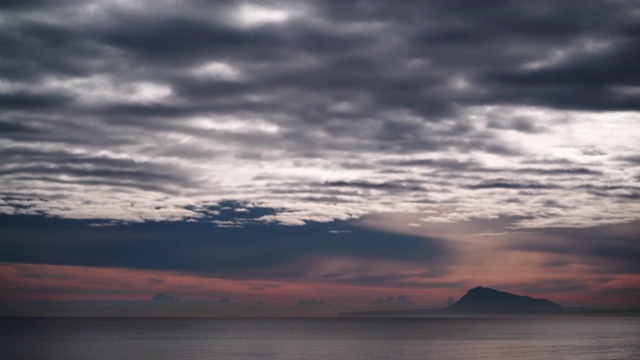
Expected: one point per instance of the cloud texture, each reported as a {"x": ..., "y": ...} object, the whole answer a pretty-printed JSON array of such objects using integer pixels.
[{"x": 138, "y": 111}]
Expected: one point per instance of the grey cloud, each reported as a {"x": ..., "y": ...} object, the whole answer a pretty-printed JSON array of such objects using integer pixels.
[
  {"x": 374, "y": 186},
  {"x": 634, "y": 160},
  {"x": 251, "y": 251},
  {"x": 394, "y": 280},
  {"x": 505, "y": 184},
  {"x": 160, "y": 297},
  {"x": 37, "y": 49},
  {"x": 183, "y": 41},
  {"x": 546, "y": 287},
  {"x": 370, "y": 86},
  {"x": 24, "y": 101},
  {"x": 629, "y": 192},
  {"x": 11, "y": 127},
  {"x": 518, "y": 124},
  {"x": 613, "y": 248},
  {"x": 64, "y": 167},
  {"x": 449, "y": 164},
  {"x": 391, "y": 302},
  {"x": 310, "y": 303},
  {"x": 631, "y": 196},
  {"x": 560, "y": 171}
]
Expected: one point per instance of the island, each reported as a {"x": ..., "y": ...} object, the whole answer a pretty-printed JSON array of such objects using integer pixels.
[{"x": 482, "y": 301}]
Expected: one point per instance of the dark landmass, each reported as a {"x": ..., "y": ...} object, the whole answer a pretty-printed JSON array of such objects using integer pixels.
[{"x": 483, "y": 300}]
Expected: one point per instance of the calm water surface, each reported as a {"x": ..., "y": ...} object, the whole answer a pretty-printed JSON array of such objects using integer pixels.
[{"x": 336, "y": 338}]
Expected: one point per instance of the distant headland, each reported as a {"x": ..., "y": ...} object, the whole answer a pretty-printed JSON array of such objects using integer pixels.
[
  {"x": 486, "y": 300},
  {"x": 483, "y": 300}
]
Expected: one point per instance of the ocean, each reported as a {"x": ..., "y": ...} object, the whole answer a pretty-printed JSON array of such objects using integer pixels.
[{"x": 475, "y": 338}]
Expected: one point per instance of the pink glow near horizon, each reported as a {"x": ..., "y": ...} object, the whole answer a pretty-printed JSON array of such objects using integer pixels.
[{"x": 58, "y": 282}]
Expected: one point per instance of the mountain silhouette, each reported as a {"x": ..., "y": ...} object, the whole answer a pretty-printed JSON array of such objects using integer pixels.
[
  {"x": 479, "y": 300},
  {"x": 486, "y": 300}
]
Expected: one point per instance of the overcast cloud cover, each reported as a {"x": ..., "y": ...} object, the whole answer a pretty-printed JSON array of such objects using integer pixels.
[
  {"x": 439, "y": 112},
  {"x": 136, "y": 110}
]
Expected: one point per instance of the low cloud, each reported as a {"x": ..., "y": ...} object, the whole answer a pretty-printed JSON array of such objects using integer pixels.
[
  {"x": 162, "y": 298},
  {"x": 390, "y": 302},
  {"x": 247, "y": 250},
  {"x": 612, "y": 248},
  {"x": 310, "y": 303}
]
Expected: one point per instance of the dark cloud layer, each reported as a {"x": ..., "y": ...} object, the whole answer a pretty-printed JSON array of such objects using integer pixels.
[
  {"x": 250, "y": 252},
  {"x": 614, "y": 247}
]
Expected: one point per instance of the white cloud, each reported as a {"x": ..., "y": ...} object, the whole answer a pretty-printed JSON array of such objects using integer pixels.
[
  {"x": 95, "y": 89},
  {"x": 100, "y": 89},
  {"x": 218, "y": 70},
  {"x": 292, "y": 184},
  {"x": 234, "y": 124},
  {"x": 249, "y": 15}
]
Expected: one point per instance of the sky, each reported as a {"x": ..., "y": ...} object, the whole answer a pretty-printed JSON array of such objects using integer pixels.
[{"x": 334, "y": 154}]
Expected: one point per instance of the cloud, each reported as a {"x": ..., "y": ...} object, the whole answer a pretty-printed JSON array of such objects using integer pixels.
[
  {"x": 390, "y": 302},
  {"x": 506, "y": 184},
  {"x": 246, "y": 250},
  {"x": 339, "y": 262},
  {"x": 149, "y": 110},
  {"x": 310, "y": 303},
  {"x": 160, "y": 297},
  {"x": 613, "y": 248}
]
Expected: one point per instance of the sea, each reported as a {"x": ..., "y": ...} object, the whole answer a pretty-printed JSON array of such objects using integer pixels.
[{"x": 474, "y": 338}]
